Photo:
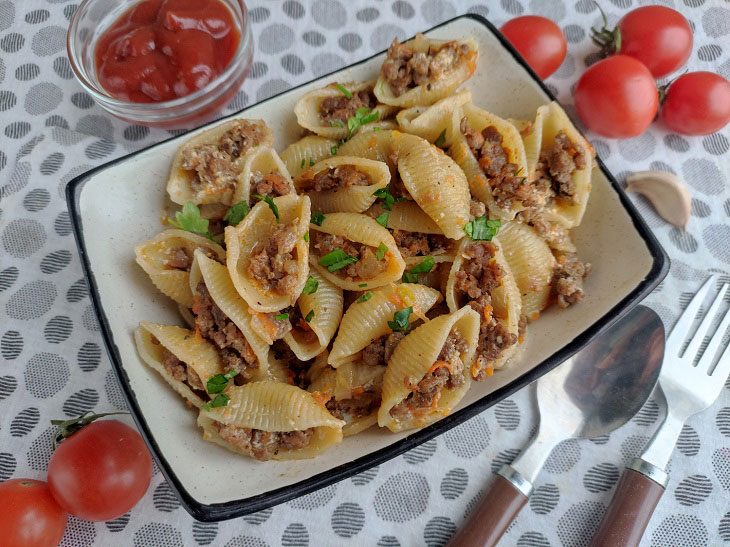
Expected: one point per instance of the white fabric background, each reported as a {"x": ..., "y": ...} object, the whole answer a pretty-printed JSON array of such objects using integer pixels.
[{"x": 52, "y": 363}]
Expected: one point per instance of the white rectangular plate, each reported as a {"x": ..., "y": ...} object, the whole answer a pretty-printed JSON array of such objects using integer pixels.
[{"x": 119, "y": 204}]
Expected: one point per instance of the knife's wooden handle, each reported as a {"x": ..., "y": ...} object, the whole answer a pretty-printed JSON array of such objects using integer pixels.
[
  {"x": 493, "y": 514},
  {"x": 631, "y": 509}
]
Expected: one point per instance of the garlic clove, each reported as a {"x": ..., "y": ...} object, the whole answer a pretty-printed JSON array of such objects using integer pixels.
[{"x": 666, "y": 191}]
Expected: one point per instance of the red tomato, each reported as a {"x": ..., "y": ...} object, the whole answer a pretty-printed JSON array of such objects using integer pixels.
[
  {"x": 658, "y": 36},
  {"x": 697, "y": 103},
  {"x": 539, "y": 41},
  {"x": 101, "y": 471},
  {"x": 617, "y": 97},
  {"x": 29, "y": 516}
]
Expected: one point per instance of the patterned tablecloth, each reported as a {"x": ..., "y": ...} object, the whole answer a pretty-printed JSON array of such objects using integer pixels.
[{"x": 51, "y": 358}]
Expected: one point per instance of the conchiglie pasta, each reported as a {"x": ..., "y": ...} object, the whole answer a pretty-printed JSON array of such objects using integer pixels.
[
  {"x": 259, "y": 163},
  {"x": 272, "y": 407},
  {"x": 167, "y": 257},
  {"x": 367, "y": 321},
  {"x": 194, "y": 178},
  {"x": 358, "y": 234},
  {"x": 325, "y": 304},
  {"x": 374, "y": 145},
  {"x": 198, "y": 360},
  {"x": 421, "y": 354},
  {"x": 224, "y": 294},
  {"x": 407, "y": 216},
  {"x": 431, "y": 122},
  {"x": 532, "y": 264},
  {"x": 502, "y": 203},
  {"x": 435, "y": 182},
  {"x": 343, "y": 183},
  {"x": 267, "y": 257},
  {"x": 325, "y": 111},
  {"x": 302, "y": 154},
  {"x": 461, "y": 56}
]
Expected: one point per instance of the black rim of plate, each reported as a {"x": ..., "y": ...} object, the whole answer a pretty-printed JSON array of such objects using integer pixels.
[{"x": 237, "y": 508}]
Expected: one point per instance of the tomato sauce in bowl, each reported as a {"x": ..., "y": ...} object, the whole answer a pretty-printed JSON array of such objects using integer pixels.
[{"x": 161, "y": 50}]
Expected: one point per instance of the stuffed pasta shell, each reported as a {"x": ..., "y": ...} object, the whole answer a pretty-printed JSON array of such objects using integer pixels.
[
  {"x": 481, "y": 278},
  {"x": 326, "y": 111},
  {"x": 168, "y": 257},
  {"x": 267, "y": 253},
  {"x": 353, "y": 251},
  {"x": 272, "y": 420},
  {"x": 407, "y": 216},
  {"x": 365, "y": 334},
  {"x": 433, "y": 123},
  {"x": 343, "y": 183},
  {"x": 315, "y": 317},
  {"x": 207, "y": 166},
  {"x": 183, "y": 358},
  {"x": 421, "y": 71},
  {"x": 428, "y": 373},
  {"x": 263, "y": 174},
  {"x": 492, "y": 155},
  {"x": 304, "y": 153}
]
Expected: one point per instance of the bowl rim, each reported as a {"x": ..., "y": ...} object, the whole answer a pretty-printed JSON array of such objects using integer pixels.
[
  {"x": 210, "y": 89},
  {"x": 236, "y": 508}
]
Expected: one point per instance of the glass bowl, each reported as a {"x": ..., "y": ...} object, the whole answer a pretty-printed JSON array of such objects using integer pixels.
[{"x": 93, "y": 17}]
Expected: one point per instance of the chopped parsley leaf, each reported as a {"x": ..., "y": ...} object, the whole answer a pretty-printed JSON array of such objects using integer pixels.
[
  {"x": 272, "y": 205},
  {"x": 400, "y": 322},
  {"x": 344, "y": 90},
  {"x": 380, "y": 251},
  {"x": 282, "y": 317},
  {"x": 237, "y": 213},
  {"x": 306, "y": 237},
  {"x": 425, "y": 266},
  {"x": 383, "y": 219},
  {"x": 365, "y": 297},
  {"x": 333, "y": 150},
  {"x": 363, "y": 116},
  {"x": 336, "y": 260},
  {"x": 441, "y": 139},
  {"x": 311, "y": 286},
  {"x": 218, "y": 383},
  {"x": 309, "y": 316},
  {"x": 317, "y": 218},
  {"x": 302, "y": 164},
  {"x": 387, "y": 197},
  {"x": 311, "y": 162},
  {"x": 482, "y": 229},
  {"x": 220, "y": 400},
  {"x": 362, "y": 285},
  {"x": 336, "y": 123},
  {"x": 189, "y": 219}
]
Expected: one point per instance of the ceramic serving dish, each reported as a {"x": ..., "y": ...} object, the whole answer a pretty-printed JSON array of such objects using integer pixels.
[{"x": 119, "y": 204}]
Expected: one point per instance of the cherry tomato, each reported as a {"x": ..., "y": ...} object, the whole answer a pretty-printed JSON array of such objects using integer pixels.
[
  {"x": 539, "y": 41},
  {"x": 101, "y": 471},
  {"x": 617, "y": 97},
  {"x": 29, "y": 516},
  {"x": 658, "y": 36},
  {"x": 697, "y": 103}
]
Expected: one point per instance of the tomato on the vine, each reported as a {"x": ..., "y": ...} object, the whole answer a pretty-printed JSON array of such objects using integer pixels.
[
  {"x": 100, "y": 471},
  {"x": 29, "y": 516},
  {"x": 658, "y": 36},
  {"x": 617, "y": 97},
  {"x": 697, "y": 103},
  {"x": 539, "y": 41}
]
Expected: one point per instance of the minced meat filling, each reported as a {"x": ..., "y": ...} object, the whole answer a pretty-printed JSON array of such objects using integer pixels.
[
  {"x": 180, "y": 371},
  {"x": 555, "y": 235},
  {"x": 494, "y": 338},
  {"x": 420, "y": 244},
  {"x": 270, "y": 184},
  {"x": 428, "y": 389},
  {"x": 334, "y": 177},
  {"x": 213, "y": 324},
  {"x": 367, "y": 265},
  {"x": 479, "y": 273},
  {"x": 405, "y": 68},
  {"x": 378, "y": 351},
  {"x": 568, "y": 279},
  {"x": 274, "y": 265},
  {"x": 264, "y": 445},
  {"x": 557, "y": 164},
  {"x": 340, "y": 108},
  {"x": 214, "y": 164},
  {"x": 298, "y": 369},
  {"x": 178, "y": 258},
  {"x": 356, "y": 407},
  {"x": 304, "y": 333},
  {"x": 506, "y": 183}
]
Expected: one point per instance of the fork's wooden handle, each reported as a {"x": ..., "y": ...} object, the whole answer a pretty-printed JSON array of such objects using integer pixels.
[
  {"x": 631, "y": 509},
  {"x": 493, "y": 514}
]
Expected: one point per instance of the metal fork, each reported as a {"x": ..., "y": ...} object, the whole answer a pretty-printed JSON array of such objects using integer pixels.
[{"x": 688, "y": 389}]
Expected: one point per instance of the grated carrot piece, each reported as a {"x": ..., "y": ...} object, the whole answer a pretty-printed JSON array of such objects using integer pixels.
[
  {"x": 357, "y": 391},
  {"x": 440, "y": 364},
  {"x": 435, "y": 402},
  {"x": 321, "y": 397}
]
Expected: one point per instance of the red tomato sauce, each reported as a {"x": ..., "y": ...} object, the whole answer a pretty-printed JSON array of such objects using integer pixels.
[{"x": 164, "y": 49}]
